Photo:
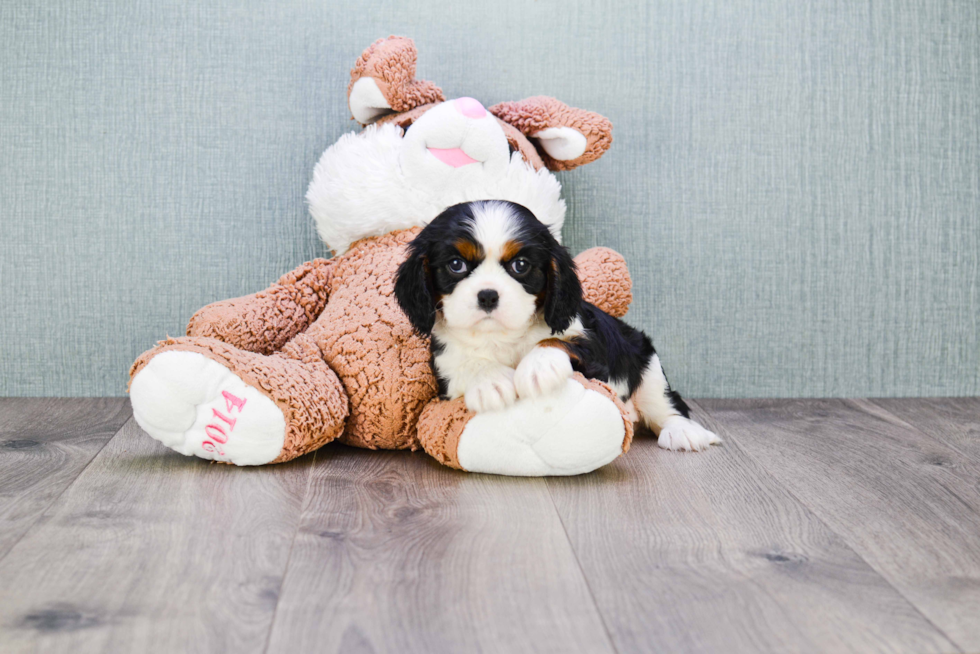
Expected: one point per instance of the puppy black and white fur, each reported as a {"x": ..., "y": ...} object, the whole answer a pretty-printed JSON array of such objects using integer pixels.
[{"x": 502, "y": 302}]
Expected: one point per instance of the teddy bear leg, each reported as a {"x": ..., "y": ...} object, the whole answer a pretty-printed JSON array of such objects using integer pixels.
[
  {"x": 202, "y": 397},
  {"x": 579, "y": 429}
]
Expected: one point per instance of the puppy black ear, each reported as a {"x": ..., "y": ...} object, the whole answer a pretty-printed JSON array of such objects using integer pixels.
[
  {"x": 564, "y": 294},
  {"x": 415, "y": 292}
]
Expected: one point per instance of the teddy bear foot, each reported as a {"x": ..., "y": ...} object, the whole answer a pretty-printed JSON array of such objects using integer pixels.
[
  {"x": 196, "y": 406},
  {"x": 202, "y": 397},
  {"x": 575, "y": 430}
]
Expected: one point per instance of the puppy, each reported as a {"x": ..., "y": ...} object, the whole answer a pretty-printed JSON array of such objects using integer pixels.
[{"x": 503, "y": 306}]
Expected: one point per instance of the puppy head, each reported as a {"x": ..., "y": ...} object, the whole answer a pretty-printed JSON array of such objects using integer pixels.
[{"x": 487, "y": 266}]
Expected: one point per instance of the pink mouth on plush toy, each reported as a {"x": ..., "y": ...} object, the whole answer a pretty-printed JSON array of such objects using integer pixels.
[{"x": 454, "y": 157}]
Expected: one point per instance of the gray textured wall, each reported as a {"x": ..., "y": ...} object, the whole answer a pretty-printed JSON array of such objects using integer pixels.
[{"x": 796, "y": 185}]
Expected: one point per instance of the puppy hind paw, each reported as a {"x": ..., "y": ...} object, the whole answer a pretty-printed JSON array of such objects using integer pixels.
[
  {"x": 493, "y": 393},
  {"x": 684, "y": 435},
  {"x": 542, "y": 372}
]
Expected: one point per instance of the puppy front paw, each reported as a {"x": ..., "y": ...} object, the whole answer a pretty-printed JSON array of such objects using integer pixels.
[
  {"x": 679, "y": 433},
  {"x": 492, "y": 393},
  {"x": 542, "y": 372}
]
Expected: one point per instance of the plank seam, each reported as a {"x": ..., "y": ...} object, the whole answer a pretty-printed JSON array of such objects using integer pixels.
[
  {"x": 54, "y": 500},
  {"x": 730, "y": 438},
  {"x": 581, "y": 571},
  {"x": 940, "y": 441},
  {"x": 292, "y": 545}
]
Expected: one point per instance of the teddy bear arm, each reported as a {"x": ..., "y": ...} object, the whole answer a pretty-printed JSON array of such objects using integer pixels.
[
  {"x": 265, "y": 321},
  {"x": 605, "y": 280},
  {"x": 581, "y": 428}
]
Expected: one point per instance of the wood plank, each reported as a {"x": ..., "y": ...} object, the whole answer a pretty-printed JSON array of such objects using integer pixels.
[
  {"x": 150, "y": 551},
  {"x": 44, "y": 444},
  {"x": 954, "y": 421},
  {"x": 908, "y": 504},
  {"x": 404, "y": 555},
  {"x": 706, "y": 552}
]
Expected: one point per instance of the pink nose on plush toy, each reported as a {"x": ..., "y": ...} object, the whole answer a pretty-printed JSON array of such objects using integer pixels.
[{"x": 470, "y": 108}]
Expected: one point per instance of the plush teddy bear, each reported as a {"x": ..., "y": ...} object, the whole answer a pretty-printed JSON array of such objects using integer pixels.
[{"x": 326, "y": 353}]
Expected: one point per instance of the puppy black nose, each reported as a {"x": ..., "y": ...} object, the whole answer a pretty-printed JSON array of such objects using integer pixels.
[{"x": 487, "y": 299}]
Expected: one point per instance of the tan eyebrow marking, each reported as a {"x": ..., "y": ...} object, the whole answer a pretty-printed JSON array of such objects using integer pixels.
[
  {"x": 469, "y": 250},
  {"x": 511, "y": 248}
]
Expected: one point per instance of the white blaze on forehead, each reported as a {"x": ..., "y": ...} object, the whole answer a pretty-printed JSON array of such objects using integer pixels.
[{"x": 494, "y": 225}]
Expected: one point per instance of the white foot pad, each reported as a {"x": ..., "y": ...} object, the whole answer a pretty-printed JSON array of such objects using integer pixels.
[
  {"x": 569, "y": 432},
  {"x": 196, "y": 406},
  {"x": 679, "y": 433}
]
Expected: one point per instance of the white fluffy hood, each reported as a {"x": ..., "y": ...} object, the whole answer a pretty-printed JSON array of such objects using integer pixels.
[{"x": 379, "y": 181}]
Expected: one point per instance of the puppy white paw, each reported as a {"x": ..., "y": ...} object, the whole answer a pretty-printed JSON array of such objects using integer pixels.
[
  {"x": 493, "y": 392},
  {"x": 542, "y": 372},
  {"x": 681, "y": 434}
]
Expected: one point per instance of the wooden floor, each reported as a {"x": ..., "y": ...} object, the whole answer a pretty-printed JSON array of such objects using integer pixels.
[{"x": 819, "y": 526}]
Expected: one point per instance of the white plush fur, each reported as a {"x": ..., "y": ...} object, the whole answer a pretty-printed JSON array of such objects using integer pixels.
[
  {"x": 565, "y": 433},
  {"x": 366, "y": 101},
  {"x": 177, "y": 399},
  {"x": 378, "y": 181},
  {"x": 562, "y": 143}
]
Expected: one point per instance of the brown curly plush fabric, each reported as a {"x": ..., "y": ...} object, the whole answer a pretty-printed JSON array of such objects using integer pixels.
[
  {"x": 519, "y": 142},
  {"x": 442, "y": 423},
  {"x": 265, "y": 321},
  {"x": 541, "y": 112},
  {"x": 406, "y": 118},
  {"x": 358, "y": 371},
  {"x": 605, "y": 389},
  {"x": 606, "y": 280},
  {"x": 440, "y": 426},
  {"x": 309, "y": 394},
  {"x": 369, "y": 342},
  {"x": 391, "y": 62}
]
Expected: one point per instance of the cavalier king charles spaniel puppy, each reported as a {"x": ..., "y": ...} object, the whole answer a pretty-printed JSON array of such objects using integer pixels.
[{"x": 500, "y": 299}]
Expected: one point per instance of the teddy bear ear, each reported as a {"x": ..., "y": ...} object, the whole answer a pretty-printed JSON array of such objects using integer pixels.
[
  {"x": 383, "y": 81},
  {"x": 565, "y": 136}
]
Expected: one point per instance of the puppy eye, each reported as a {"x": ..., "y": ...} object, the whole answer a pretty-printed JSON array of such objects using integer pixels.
[
  {"x": 456, "y": 266},
  {"x": 520, "y": 266}
]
